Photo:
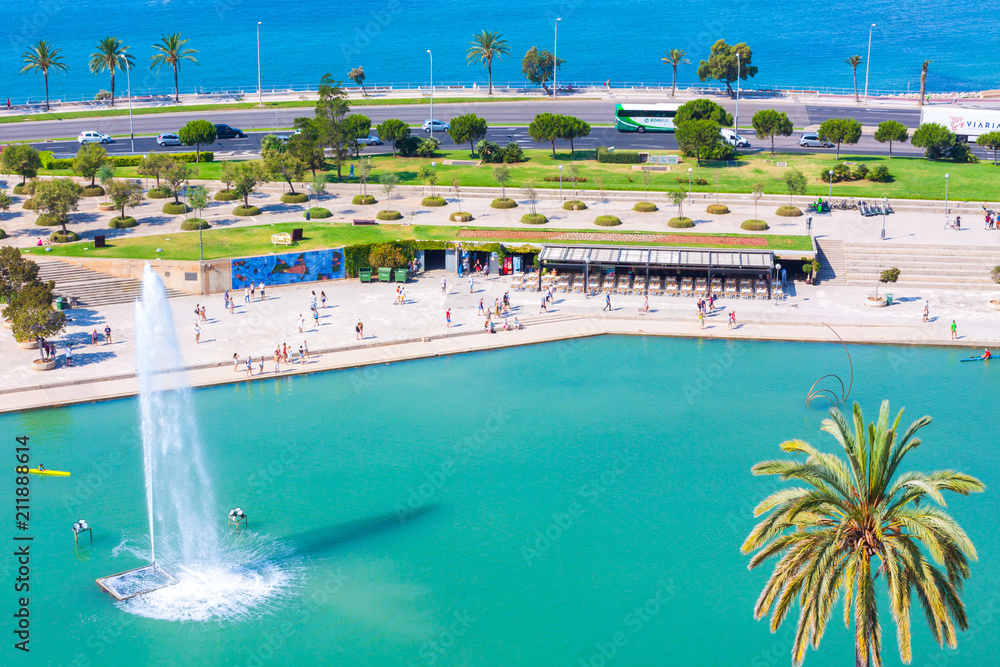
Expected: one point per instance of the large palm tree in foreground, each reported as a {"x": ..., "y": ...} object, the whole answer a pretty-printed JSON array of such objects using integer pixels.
[
  {"x": 171, "y": 52},
  {"x": 853, "y": 522},
  {"x": 40, "y": 57},
  {"x": 483, "y": 48},
  {"x": 108, "y": 57}
]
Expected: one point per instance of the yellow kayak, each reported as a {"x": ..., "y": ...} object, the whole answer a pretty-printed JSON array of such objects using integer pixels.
[{"x": 53, "y": 473}]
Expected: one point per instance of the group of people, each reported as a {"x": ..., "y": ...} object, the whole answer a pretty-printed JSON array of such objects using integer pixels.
[{"x": 94, "y": 336}]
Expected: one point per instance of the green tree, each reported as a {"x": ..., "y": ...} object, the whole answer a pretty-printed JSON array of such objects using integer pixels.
[
  {"x": 428, "y": 147},
  {"x": 546, "y": 127},
  {"x": 990, "y": 141},
  {"x": 936, "y": 140},
  {"x": 891, "y": 130},
  {"x": 923, "y": 80},
  {"x": 20, "y": 159},
  {"x": 357, "y": 75},
  {"x": 501, "y": 174},
  {"x": 16, "y": 271},
  {"x": 722, "y": 64},
  {"x": 197, "y": 133},
  {"x": 197, "y": 197},
  {"x": 356, "y": 126},
  {"x": 756, "y": 192},
  {"x": 570, "y": 128},
  {"x": 844, "y": 514},
  {"x": 795, "y": 182},
  {"x": 539, "y": 66},
  {"x": 88, "y": 161},
  {"x": 124, "y": 193},
  {"x": 456, "y": 186},
  {"x": 305, "y": 145},
  {"x": 484, "y": 47},
  {"x": 364, "y": 172},
  {"x": 331, "y": 113},
  {"x": 574, "y": 175},
  {"x": 31, "y": 312},
  {"x": 854, "y": 61},
  {"x": 284, "y": 165},
  {"x": 840, "y": 131},
  {"x": 171, "y": 51},
  {"x": 674, "y": 58},
  {"x": 227, "y": 174},
  {"x": 393, "y": 129},
  {"x": 697, "y": 136},
  {"x": 702, "y": 109},
  {"x": 176, "y": 174},
  {"x": 247, "y": 177},
  {"x": 58, "y": 197},
  {"x": 6, "y": 201},
  {"x": 41, "y": 57},
  {"x": 153, "y": 164},
  {"x": 678, "y": 197},
  {"x": 110, "y": 54},
  {"x": 769, "y": 123},
  {"x": 467, "y": 128},
  {"x": 429, "y": 174},
  {"x": 388, "y": 181}
]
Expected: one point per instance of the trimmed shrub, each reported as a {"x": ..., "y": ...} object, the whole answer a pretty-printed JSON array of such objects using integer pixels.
[
  {"x": 246, "y": 211},
  {"x": 388, "y": 215},
  {"x": 18, "y": 189},
  {"x": 607, "y": 220},
  {"x": 225, "y": 195},
  {"x": 47, "y": 220},
  {"x": 718, "y": 209},
  {"x": 363, "y": 200},
  {"x": 433, "y": 201},
  {"x": 503, "y": 203},
  {"x": 534, "y": 219},
  {"x": 3, "y": 234},
  {"x": 701, "y": 181},
  {"x": 618, "y": 157},
  {"x": 879, "y": 174},
  {"x": 789, "y": 211},
  {"x": 463, "y": 216},
  {"x": 122, "y": 223},
  {"x": 680, "y": 223},
  {"x": 860, "y": 172},
  {"x": 318, "y": 213},
  {"x": 194, "y": 223},
  {"x": 174, "y": 208},
  {"x": 574, "y": 205},
  {"x": 645, "y": 207},
  {"x": 161, "y": 192},
  {"x": 59, "y": 163},
  {"x": 96, "y": 191},
  {"x": 60, "y": 237},
  {"x": 297, "y": 198},
  {"x": 754, "y": 225},
  {"x": 28, "y": 204}
]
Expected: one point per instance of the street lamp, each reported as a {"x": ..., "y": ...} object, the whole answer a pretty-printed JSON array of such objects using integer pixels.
[
  {"x": 946, "y": 176},
  {"x": 868, "y": 63},
  {"x": 560, "y": 182},
  {"x": 434, "y": 170},
  {"x": 260, "y": 94},
  {"x": 689, "y": 181},
  {"x": 128, "y": 78},
  {"x": 885, "y": 207},
  {"x": 432, "y": 91},
  {"x": 736, "y": 121},
  {"x": 830, "y": 194},
  {"x": 555, "y": 60}
]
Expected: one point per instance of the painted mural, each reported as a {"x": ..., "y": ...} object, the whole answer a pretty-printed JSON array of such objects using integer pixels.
[{"x": 288, "y": 268}]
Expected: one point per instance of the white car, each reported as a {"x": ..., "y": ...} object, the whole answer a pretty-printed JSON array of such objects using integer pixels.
[
  {"x": 93, "y": 138},
  {"x": 436, "y": 126},
  {"x": 813, "y": 141},
  {"x": 733, "y": 139},
  {"x": 168, "y": 140}
]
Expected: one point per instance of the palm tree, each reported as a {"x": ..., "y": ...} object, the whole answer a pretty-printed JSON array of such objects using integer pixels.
[
  {"x": 923, "y": 80},
  {"x": 827, "y": 531},
  {"x": 674, "y": 58},
  {"x": 40, "y": 57},
  {"x": 109, "y": 55},
  {"x": 171, "y": 52},
  {"x": 854, "y": 61},
  {"x": 484, "y": 47}
]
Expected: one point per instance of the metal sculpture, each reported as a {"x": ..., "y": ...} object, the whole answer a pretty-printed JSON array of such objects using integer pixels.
[{"x": 830, "y": 394}]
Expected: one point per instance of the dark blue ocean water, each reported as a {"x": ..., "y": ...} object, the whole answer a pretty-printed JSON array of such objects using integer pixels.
[{"x": 795, "y": 44}]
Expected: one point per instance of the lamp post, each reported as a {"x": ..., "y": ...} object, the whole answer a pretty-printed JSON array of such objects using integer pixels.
[
  {"x": 560, "y": 182},
  {"x": 946, "y": 176},
  {"x": 736, "y": 121},
  {"x": 868, "y": 62},
  {"x": 434, "y": 170},
  {"x": 128, "y": 79},
  {"x": 689, "y": 181},
  {"x": 555, "y": 59},
  {"x": 830, "y": 194},
  {"x": 432, "y": 91},
  {"x": 885, "y": 206},
  {"x": 260, "y": 94}
]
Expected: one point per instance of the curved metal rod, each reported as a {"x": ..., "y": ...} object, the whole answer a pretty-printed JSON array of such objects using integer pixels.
[{"x": 829, "y": 394}]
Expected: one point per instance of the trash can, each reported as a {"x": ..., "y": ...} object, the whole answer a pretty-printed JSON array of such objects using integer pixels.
[
  {"x": 60, "y": 303},
  {"x": 888, "y": 299},
  {"x": 385, "y": 274},
  {"x": 307, "y": 214}
]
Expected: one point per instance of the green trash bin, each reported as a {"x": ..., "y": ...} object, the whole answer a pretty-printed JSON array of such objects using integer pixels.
[
  {"x": 365, "y": 275},
  {"x": 400, "y": 275},
  {"x": 385, "y": 275},
  {"x": 60, "y": 303},
  {"x": 888, "y": 299}
]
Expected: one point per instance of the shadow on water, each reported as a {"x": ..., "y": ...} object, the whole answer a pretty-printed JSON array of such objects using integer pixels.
[{"x": 327, "y": 538}]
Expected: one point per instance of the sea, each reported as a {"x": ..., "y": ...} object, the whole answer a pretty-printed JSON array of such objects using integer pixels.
[{"x": 795, "y": 44}]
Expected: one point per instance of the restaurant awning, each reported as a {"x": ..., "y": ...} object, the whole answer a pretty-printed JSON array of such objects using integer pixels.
[{"x": 731, "y": 261}]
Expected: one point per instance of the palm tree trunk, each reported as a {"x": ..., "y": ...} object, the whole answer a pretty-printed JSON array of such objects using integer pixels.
[
  {"x": 489, "y": 74},
  {"x": 177, "y": 92},
  {"x": 673, "y": 87},
  {"x": 112, "y": 87},
  {"x": 46, "y": 77},
  {"x": 857, "y": 99}
]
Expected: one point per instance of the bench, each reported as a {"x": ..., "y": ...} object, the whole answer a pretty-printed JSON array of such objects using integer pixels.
[
  {"x": 358, "y": 221},
  {"x": 284, "y": 238}
]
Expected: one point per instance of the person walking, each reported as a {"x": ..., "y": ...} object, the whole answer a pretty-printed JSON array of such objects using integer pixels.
[
  {"x": 607, "y": 302},
  {"x": 927, "y": 311},
  {"x": 197, "y": 333},
  {"x": 253, "y": 289},
  {"x": 701, "y": 320},
  {"x": 447, "y": 316},
  {"x": 545, "y": 306},
  {"x": 93, "y": 337},
  {"x": 316, "y": 318},
  {"x": 482, "y": 309},
  {"x": 249, "y": 365},
  {"x": 204, "y": 318},
  {"x": 444, "y": 286},
  {"x": 302, "y": 322},
  {"x": 360, "y": 331},
  {"x": 232, "y": 307},
  {"x": 277, "y": 360},
  {"x": 305, "y": 348},
  {"x": 471, "y": 284},
  {"x": 954, "y": 329},
  {"x": 284, "y": 352},
  {"x": 246, "y": 294},
  {"x": 69, "y": 355},
  {"x": 260, "y": 368},
  {"x": 322, "y": 298},
  {"x": 645, "y": 304},
  {"x": 236, "y": 361},
  {"x": 107, "y": 334}
]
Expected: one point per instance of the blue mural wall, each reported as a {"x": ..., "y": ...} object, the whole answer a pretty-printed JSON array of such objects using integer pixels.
[{"x": 288, "y": 268}]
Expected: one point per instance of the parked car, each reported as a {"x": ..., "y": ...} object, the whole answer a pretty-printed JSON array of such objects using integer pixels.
[
  {"x": 733, "y": 139},
  {"x": 437, "y": 125},
  {"x": 168, "y": 140},
  {"x": 93, "y": 138},
  {"x": 813, "y": 141},
  {"x": 370, "y": 140},
  {"x": 227, "y": 132}
]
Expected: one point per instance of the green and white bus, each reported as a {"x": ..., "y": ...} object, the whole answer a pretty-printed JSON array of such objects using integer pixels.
[{"x": 645, "y": 117}]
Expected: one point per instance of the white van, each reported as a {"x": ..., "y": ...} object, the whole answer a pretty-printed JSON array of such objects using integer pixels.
[{"x": 733, "y": 139}]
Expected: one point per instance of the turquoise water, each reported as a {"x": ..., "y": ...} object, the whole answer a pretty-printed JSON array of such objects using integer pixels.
[
  {"x": 506, "y": 508},
  {"x": 794, "y": 44}
]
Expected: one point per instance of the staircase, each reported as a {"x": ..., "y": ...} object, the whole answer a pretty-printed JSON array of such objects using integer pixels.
[
  {"x": 832, "y": 262},
  {"x": 938, "y": 267},
  {"x": 91, "y": 288}
]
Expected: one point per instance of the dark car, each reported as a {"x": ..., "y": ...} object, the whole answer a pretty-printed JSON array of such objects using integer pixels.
[{"x": 227, "y": 132}]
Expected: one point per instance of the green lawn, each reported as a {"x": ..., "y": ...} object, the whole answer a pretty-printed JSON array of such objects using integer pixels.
[{"x": 256, "y": 240}]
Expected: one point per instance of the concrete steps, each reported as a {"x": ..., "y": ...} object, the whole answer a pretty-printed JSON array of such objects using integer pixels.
[
  {"x": 832, "y": 262},
  {"x": 940, "y": 267},
  {"x": 91, "y": 288}
]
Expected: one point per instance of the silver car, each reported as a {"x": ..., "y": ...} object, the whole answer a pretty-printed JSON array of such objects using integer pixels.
[
  {"x": 370, "y": 140},
  {"x": 435, "y": 126},
  {"x": 813, "y": 141},
  {"x": 168, "y": 140}
]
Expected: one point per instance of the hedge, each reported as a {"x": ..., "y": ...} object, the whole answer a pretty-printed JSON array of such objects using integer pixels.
[
  {"x": 47, "y": 220},
  {"x": 3, "y": 234},
  {"x": 534, "y": 219},
  {"x": 754, "y": 225},
  {"x": 174, "y": 208},
  {"x": 718, "y": 209},
  {"x": 28, "y": 204},
  {"x": 161, "y": 192},
  {"x": 50, "y": 162},
  {"x": 433, "y": 201},
  {"x": 245, "y": 211},
  {"x": 645, "y": 207},
  {"x": 617, "y": 157},
  {"x": 19, "y": 189},
  {"x": 363, "y": 200},
  {"x": 194, "y": 223},
  {"x": 225, "y": 195},
  {"x": 574, "y": 205},
  {"x": 60, "y": 237},
  {"x": 318, "y": 213},
  {"x": 296, "y": 198},
  {"x": 789, "y": 211},
  {"x": 503, "y": 203},
  {"x": 96, "y": 191},
  {"x": 680, "y": 223},
  {"x": 356, "y": 256},
  {"x": 607, "y": 220},
  {"x": 122, "y": 223},
  {"x": 389, "y": 215},
  {"x": 460, "y": 216}
]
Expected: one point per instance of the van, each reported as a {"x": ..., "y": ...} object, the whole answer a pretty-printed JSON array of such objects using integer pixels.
[{"x": 733, "y": 139}]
